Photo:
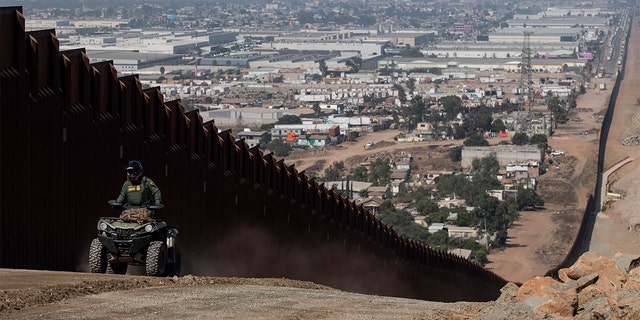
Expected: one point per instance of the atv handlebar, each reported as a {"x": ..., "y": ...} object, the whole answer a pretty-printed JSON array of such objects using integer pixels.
[{"x": 118, "y": 205}]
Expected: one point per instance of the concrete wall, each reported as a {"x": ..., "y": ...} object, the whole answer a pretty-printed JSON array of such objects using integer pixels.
[{"x": 504, "y": 154}]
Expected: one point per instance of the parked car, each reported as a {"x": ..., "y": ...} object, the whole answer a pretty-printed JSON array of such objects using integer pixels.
[{"x": 557, "y": 153}]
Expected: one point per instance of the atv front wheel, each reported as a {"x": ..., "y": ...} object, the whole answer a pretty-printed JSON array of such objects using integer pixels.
[
  {"x": 97, "y": 257},
  {"x": 156, "y": 258}
]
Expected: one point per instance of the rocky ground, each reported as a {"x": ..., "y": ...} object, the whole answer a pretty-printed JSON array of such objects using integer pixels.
[{"x": 595, "y": 287}]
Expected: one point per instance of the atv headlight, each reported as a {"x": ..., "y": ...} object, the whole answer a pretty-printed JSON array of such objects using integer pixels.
[
  {"x": 103, "y": 226},
  {"x": 148, "y": 228}
]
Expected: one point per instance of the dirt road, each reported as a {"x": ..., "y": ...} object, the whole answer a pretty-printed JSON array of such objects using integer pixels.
[
  {"x": 61, "y": 295},
  {"x": 618, "y": 228},
  {"x": 320, "y": 159}
]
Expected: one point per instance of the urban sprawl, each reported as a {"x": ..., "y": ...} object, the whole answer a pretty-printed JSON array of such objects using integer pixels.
[{"x": 314, "y": 74}]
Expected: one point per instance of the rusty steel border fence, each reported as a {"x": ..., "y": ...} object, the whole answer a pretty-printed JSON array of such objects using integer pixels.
[{"x": 67, "y": 129}]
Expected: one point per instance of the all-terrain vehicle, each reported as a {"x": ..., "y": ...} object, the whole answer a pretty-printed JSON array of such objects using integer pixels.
[{"x": 135, "y": 240}]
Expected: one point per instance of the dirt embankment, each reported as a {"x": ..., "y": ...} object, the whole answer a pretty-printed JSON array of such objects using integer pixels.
[{"x": 93, "y": 296}]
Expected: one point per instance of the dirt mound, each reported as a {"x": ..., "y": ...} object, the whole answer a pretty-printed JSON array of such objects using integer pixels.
[{"x": 12, "y": 300}]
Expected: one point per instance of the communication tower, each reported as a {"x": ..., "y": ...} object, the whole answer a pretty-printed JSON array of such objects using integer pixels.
[{"x": 526, "y": 89}]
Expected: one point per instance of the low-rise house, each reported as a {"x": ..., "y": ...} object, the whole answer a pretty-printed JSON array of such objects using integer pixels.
[
  {"x": 398, "y": 177},
  {"x": 461, "y": 232},
  {"x": 384, "y": 192},
  {"x": 435, "y": 227},
  {"x": 254, "y": 138},
  {"x": 425, "y": 131},
  {"x": 465, "y": 253},
  {"x": 282, "y": 131},
  {"x": 371, "y": 203},
  {"x": 451, "y": 202},
  {"x": 315, "y": 140},
  {"x": 420, "y": 221},
  {"x": 498, "y": 194},
  {"x": 351, "y": 189},
  {"x": 402, "y": 161},
  {"x": 530, "y": 169},
  {"x": 430, "y": 178},
  {"x": 334, "y": 134}
]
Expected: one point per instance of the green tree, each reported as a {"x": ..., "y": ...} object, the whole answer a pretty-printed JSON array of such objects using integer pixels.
[
  {"x": 498, "y": 126},
  {"x": 380, "y": 172},
  {"x": 279, "y": 147},
  {"x": 451, "y": 184},
  {"x": 401, "y": 93},
  {"x": 557, "y": 110},
  {"x": 527, "y": 198},
  {"x": 426, "y": 206},
  {"x": 411, "y": 84},
  {"x": 540, "y": 140},
  {"x": 484, "y": 179},
  {"x": 354, "y": 63},
  {"x": 466, "y": 219},
  {"x": 439, "y": 239},
  {"x": 439, "y": 216},
  {"x": 452, "y": 106},
  {"x": 476, "y": 140},
  {"x": 359, "y": 173},
  {"x": 520, "y": 139},
  {"x": 322, "y": 65},
  {"x": 478, "y": 121},
  {"x": 403, "y": 223},
  {"x": 488, "y": 164},
  {"x": 332, "y": 173},
  {"x": 414, "y": 112},
  {"x": 455, "y": 154},
  {"x": 316, "y": 108},
  {"x": 481, "y": 256}
]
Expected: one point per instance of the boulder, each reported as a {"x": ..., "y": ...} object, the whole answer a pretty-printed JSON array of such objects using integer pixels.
[
  {"x": 508, "y": 293},
  {"x": 594, "y": 287},
  {"x": 625, "y": 262},
  {"x": 546, "y": 295},
  {"x": 568, "y": 274},
  {"x": 591, "y": 262},
  {"x": 633, "y": 280}
]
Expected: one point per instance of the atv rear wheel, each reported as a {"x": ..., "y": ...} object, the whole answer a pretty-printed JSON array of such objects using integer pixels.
[
  {"x": 156, "y": 258},
  {"x": 97, "y": 257},
  {"x": 173, "y": 269},
  {"x": 117, "y": 268}
]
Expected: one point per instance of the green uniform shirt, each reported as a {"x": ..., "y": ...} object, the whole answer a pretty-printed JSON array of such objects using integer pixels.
[{"x": 140, "y": 192}]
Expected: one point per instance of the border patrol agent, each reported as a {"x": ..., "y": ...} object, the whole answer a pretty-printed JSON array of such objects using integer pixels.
[{"x": 138, "y": 190}]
